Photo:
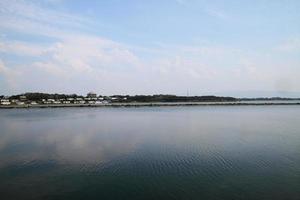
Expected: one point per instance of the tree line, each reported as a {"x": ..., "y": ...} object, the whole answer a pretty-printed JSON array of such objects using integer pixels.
[{"x": 37, "y": 96}]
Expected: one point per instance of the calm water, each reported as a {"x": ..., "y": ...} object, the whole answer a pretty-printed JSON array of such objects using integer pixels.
[{"x": 213, "y": 152}]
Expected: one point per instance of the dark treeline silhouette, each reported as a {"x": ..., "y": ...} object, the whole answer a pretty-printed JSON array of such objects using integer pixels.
[
  {"x": 37, "y": 96},
  {"x": 127, "y": 98}
]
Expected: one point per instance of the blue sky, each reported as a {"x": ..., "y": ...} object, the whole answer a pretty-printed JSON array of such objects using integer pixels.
[{"x": 240, "y": 48}]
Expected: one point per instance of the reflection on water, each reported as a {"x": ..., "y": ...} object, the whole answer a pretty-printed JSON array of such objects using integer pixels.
[{"x": 246, "y": 152}]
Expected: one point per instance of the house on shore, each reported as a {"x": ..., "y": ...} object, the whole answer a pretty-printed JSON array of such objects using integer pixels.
[
  {"x": 5, "y": 102},
  {"x": 23, "y": 98}
]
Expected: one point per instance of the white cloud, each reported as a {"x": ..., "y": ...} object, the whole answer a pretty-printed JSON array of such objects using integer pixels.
[
  {"x": 217, "y": 13},
  {"x": 27, "y": 10},
  {"x": 290, "y": 45},
  {"x": 22, "y": 48},
  {"x": 75, "y": 61},
  {"x": 10, "y": 75},
  {"x": 80, "y": 54},
  {"x": 3, "y": 68}
]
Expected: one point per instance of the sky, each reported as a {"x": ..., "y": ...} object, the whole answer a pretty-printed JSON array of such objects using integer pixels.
[{"x": 196, "y": 47}]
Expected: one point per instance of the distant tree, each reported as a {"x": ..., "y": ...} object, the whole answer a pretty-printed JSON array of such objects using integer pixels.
[{"x": 36, "y": 96}]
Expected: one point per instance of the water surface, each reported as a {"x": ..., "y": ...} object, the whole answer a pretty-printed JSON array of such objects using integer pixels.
[{"x": 205, "y": 152}]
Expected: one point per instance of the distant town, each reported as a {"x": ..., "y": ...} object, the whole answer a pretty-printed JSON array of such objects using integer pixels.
[{"x": 92, "y": 99}]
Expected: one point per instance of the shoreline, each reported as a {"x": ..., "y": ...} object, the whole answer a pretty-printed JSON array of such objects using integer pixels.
[{"x": 150, "y": 104}]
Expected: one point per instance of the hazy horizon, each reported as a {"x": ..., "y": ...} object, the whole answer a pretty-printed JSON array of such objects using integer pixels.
[{"x": 227, "y": 48}]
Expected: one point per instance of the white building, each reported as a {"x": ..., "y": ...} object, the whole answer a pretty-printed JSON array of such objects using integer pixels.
[{"x": 5, "y": 102}]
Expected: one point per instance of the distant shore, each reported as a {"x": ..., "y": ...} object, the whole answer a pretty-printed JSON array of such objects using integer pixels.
[
  {"x": 46, "y": 100},
  {"x": 147, "y": 104}
]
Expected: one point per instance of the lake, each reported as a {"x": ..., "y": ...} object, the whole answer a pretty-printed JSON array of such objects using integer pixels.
[{"x": 198, "y": 152}]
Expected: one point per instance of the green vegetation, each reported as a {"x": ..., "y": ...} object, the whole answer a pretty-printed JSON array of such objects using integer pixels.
[
  {"x": 39, "y": 96},
  {"x": 127, "y": 98}
]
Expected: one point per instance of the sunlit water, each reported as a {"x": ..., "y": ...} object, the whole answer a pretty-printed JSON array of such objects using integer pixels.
[{"x": 205, "y": 152}]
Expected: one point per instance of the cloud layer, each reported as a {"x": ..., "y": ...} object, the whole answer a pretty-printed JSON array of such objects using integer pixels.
[{"x": 43, "y": 49}]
